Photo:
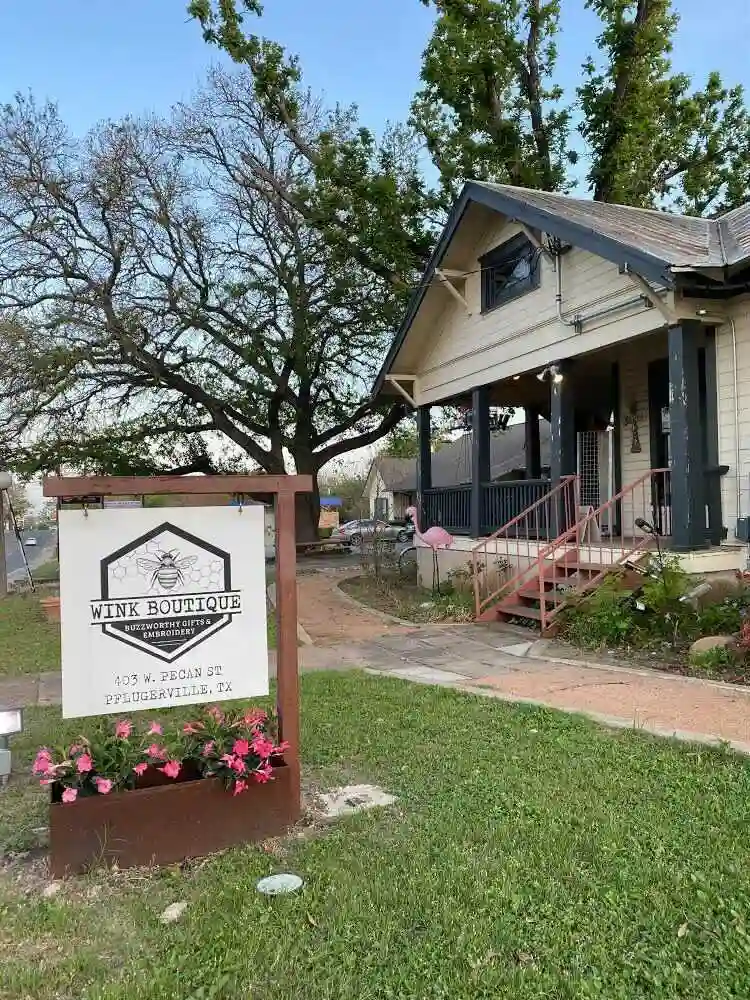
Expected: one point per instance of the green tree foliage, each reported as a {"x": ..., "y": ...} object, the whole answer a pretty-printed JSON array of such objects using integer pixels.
[
  {"x": 167, "y": 307},
  {"x": 490, "y": 107},
  {"x": 652, "y": 139}
]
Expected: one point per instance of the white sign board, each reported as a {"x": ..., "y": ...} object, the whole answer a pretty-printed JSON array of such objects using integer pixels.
[{"x": 161, "y": 607}]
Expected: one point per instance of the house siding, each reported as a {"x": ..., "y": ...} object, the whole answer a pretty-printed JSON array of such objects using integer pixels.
[
  {"x": 477, "y": 349},
  {"x": 735, "y": 486}
]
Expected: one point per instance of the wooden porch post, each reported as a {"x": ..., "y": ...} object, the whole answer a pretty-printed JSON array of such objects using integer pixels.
[
  {"x": 424, "y": 462},
  {"x": 533, "y": 445},
  {"x": 480, "y": 455},
  {"x": 688, "y": 481}
]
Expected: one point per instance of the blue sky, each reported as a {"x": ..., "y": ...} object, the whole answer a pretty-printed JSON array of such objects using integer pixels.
[{"x": 106, "y": 58}]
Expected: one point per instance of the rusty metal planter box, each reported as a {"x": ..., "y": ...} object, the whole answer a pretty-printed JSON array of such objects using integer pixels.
[{"x": 167, "y": 823}]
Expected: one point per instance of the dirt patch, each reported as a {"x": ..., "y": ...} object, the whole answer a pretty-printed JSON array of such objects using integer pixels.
[{"x": 328, "y": 617}]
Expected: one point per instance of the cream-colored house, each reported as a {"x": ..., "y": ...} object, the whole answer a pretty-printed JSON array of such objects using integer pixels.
[{"x": 629, "y": 331}]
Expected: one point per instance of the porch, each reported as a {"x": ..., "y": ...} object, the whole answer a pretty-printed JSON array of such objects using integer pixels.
[{"x": 625, "y": 421}]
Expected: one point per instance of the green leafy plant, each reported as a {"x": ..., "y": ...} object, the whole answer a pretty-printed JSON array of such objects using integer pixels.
[
  {"x": 240, "y": 747},
  {"x": 713, "y": 661},
  {"x": 605, "y": 617}
]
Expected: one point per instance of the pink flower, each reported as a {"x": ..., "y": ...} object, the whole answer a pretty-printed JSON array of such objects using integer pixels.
[
  {"x": 238, "y": 765},
  {"x": 123, "y": 729},
  {"x": 171, "y": 768},
  {"x": 84, "y": 764},
  {"x": 262, "y": 746},
  {"x": 76, "y": 748},
  {"x": 208, "y": 748},
  {"x": 284, "y": 745},
  {"x": 192, "y": 727},
  {"x": 241, "y": 748},
  {"x": 70, "y": 795},
  {"x": 156, "y": 751},
  {"x": 263, "y": 774},
  {"x": 42, "y": 762},
  {"x": 216, "y": 713},
  {"x": 139, "y": 769},
  {"x": 239, "y": 786},
  {"x": 254, "y": 717},
  {"x": 155, "y": 729},
  {"x": 103, "y": 785}
]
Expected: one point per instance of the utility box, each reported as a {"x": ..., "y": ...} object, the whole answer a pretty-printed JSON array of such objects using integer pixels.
[{"x": 742, "y": 530}]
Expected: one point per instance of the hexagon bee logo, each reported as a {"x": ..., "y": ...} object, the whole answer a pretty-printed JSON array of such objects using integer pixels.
[{"x": 165, "y": 592}]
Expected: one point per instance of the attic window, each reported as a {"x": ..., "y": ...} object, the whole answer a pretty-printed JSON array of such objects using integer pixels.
[{"x": 510, "y": 270}]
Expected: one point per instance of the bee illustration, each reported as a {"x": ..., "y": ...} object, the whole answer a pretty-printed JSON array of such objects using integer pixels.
[{"x": 167, "y": 569}]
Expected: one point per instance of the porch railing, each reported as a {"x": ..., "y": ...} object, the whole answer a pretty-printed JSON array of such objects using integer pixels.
[
  {"x": 450, "y": 507},
  {"x": 646, "y": 499},
  {"x": 506, "y": 556},
  {"x": 549, "y": 570}
]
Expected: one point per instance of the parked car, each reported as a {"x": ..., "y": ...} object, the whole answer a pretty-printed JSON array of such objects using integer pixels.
[
  {"x": 30, "y": 541},
  {"x": 364, "y": 528}
]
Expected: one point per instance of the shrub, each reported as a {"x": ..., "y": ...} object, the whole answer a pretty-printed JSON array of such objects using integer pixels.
[
  {"x": 720, "y": 619},
  {"x": 713, "y": 661},
  {"x": 605, "y": 617}
]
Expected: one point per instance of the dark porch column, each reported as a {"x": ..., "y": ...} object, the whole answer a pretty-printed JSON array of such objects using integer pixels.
[
  {"x": 710, "y": 427},
  {"x": 562, "y": 444},
  {"x": 562, "y": 427},
  {"x": 688, "y": 483},
  {"x": 533, "y": 446},
  {"x": 480, "y": 454},
  {"x": 424, "y": 462}
]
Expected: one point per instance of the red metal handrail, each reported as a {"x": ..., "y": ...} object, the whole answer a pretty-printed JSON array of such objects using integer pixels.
[
  {"x": 577, "y": 534},
  {"x": 520, "y": 525}
]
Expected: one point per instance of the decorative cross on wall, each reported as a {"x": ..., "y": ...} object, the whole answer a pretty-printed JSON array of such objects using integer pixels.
[{"x": 631, "y": 421}]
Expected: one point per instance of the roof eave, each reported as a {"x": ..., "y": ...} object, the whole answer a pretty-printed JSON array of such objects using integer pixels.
[{"x": 647, "y": 265}]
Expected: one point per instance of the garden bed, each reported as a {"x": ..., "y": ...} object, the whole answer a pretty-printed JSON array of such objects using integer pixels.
[
  {"x": 656, "y": 625},
  {"x": 403, "y": 599}
]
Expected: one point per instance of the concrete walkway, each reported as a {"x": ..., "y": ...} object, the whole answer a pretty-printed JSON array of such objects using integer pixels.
[{"x": 506, "y": 665}]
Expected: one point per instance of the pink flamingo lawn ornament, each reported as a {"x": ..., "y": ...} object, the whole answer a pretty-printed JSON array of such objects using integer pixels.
[{"x": 437, "y": 538}]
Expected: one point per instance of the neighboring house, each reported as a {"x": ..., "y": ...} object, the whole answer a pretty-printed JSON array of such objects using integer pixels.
[
  {"x": 627, "y": 330},
  {"x": 391, "y": 485}
]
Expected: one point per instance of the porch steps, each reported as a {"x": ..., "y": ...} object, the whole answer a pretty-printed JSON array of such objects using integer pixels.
[{"x": 524, "y": 602}]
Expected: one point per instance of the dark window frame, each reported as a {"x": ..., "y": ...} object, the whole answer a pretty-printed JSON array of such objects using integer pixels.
[{"x": 512, "y": 251}]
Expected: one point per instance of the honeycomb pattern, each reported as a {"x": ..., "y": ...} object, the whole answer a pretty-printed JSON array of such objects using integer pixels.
[{"x": 203, "y": 574}]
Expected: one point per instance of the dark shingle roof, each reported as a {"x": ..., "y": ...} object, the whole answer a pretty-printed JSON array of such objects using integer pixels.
[
  {"x": 398, "y": 474},
  {"x": 451, "y": 465},
  {"x": 678, "y": 240}
]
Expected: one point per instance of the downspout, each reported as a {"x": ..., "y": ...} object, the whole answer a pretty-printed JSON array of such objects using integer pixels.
[{"x": 558, "y": 296}]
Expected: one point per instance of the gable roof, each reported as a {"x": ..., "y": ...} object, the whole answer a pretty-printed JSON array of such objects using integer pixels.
[
  {"x": 398, "y": 474},
  {"x": 451, "y": 465},
  {"x": 654, "y": 244}
]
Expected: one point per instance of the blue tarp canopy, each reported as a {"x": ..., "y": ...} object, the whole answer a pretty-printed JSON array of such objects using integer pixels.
[{"x": 330, "y": 501}]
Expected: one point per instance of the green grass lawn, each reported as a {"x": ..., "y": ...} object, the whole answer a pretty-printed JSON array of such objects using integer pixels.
[
  {"x": 48, "y": 572},
  {"x": 28, "y": 642},
  {"x": 530, "y": 855}
]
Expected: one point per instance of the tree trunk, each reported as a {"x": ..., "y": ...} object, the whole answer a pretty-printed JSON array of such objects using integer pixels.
[{"x": 307, "y": 512}]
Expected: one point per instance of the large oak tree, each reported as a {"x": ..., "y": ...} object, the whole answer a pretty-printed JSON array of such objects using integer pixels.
[{"x": 170, "y": 304}]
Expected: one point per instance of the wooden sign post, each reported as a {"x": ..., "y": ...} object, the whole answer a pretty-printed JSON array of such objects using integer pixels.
[{"x": 284, "y": 490}]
